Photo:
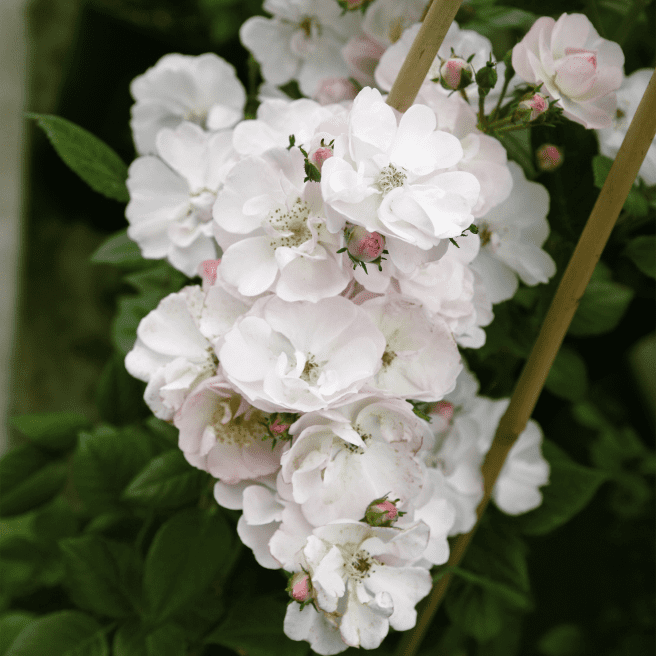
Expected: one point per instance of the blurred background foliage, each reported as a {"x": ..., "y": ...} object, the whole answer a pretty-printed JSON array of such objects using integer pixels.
[{"x": 591, "y": 579}]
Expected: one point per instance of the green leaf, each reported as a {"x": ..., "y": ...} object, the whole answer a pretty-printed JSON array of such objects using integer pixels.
[
  {"x": 11, "y": 625},
  {"x": 133, "y": 639},
  {"x": 167, "y": 481},
  {"x": 504, "y": 592},
  {"x": 66, "y": 633},
  {"x": 21, "y": 562},
  {"x": 636, "y": 204},
  {"x": 120, "y": 251},
  {"x": 119, "y": 396},
  {"x": 104, "y": 576},
  {"x": 263, "y": 637},
  {"x": 35, "y": 490},
  {"x": 92, "y": 159},
  {"x": 642, "y": 252},
  {"x": 20, "y": 463},
  {"x": 571, "y": 487},
  {"x": 187, "y": 553},
  {"x": 51, "y": 430},
  {"x": 475, "y": 610},
  {"x": 562, "y": 640},
  {"x": 602, "y": 306},
  {"x": 518, "y": 145},
  {"x": 106, "y": 460},
  {"x": 568, "y": 377}
]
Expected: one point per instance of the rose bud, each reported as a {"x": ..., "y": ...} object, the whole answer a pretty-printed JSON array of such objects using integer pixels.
[
  {"x": 300, "y": 587},
  {"x": 532, "y": 107},
  {"x": 456, "y": 74},
  {"x": 548, "y": 157},
  {"x": 365, "y": 246},
  {"x": 382, "y": 512}
]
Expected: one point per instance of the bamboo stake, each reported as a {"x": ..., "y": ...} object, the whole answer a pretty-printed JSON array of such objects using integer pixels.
[
  {"x": 597, "y": 230},
  {"x": 433, "y": 29}
]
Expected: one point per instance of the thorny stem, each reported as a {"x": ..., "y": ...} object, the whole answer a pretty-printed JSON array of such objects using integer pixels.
[{"x": 604, "y": 214}]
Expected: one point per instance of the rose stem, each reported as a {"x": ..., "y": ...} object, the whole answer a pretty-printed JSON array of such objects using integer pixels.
[
  {"x": 433, "y": 29},
  {"x": 597, "y": 230}
]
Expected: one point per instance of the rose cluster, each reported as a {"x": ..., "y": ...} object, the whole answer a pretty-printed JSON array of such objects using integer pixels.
[{"x": 346, "y": 252}]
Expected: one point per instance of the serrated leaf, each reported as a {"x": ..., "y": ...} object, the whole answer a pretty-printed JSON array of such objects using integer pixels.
[
  {"x": 92, "y": 159},
  {"x": 11, "y": 625},
  {"x": 642, "y": 252},
  {"x": 568, "y": 376},
  {"x": 105, "y": 461},
  {"x": 120, "y": 251},
  {"x": 602, "y": 306},
  {"x": 35, "y": 490},
  {"x": 264, "y": 637},
  {"x": 167, "y": 481},
  {"x": 104, "y": 576},
  {"x": 51, "y": 430},
  {"x": 571, "y": 487},
  {"x": 66, "y": 633},
  {"x": 188, "y": 551}
]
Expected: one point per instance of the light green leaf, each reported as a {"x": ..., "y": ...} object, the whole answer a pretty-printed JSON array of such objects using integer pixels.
[
  {"x": 66, "y": 633},
  {"x": 121, "y": 251},
  {"x": 167, "y": 481},
  {"x": 642, "y": 252},
  {"x": 11, "y": 625},
  {"x": 568, "y": 377},
  {"x": 187, "y": 553},
  {"x": 51, "y": 430},
  {"x": 602, "y": 306},
  {"x": 92, "y": 159},
  {"x": 104, "y": 576},
  {"x": 239, "y": 632},
  {"x": 571, "y": 487}
]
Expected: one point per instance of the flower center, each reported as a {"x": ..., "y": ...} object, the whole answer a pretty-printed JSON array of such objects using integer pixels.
[
  {"x": 390, "y": 178},
  {"x": 242, "y": 430},
  {"x": 358, "y": 566},
  {"x": 310, "y": 25},
  {"x": 311, "y": 371},
  {"x": 201, "y": 205},
  {"x": 388, "y": 358},
  {"x": 291, "y": 226}
]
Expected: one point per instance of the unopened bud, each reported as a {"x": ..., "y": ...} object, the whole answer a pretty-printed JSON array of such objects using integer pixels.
[
  {"x": 456, "y": 74},
  {"x": 365, "y": 246},
  {"x": 548, "y": 157},
  {"x": 486, "y": 77},
  {"x": 532, "y": 107},
  {"x": 207, "y": 271},
  {"x": 300, "y": 587},
  {"x": 352, "y": 5},
  {"x": 444, "y": 409},
  {"x": 382, "y": 512},
  {"x": 320, "y": 155}
]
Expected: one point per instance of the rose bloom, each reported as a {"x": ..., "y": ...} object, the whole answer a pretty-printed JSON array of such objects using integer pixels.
[{"x": 576, "y": 66}]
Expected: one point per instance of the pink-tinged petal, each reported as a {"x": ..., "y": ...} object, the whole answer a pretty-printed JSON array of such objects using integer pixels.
[
  {"x": 606, "y": 81},
  {"x": 257, "y": 539},
  {"x": 594, "y": 115},
  {"x": 250, "y": 265},
  {"x": 231, "y": 496},
  {"x": 570, "y": 31}
]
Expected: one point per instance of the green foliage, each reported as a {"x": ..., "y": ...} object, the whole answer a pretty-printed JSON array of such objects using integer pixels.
[
  {"x": 187, "y": 553},
  {"x": 570, "y": 489},
  {"x": 119, "y": 250},
  {"x": 51, "y": 430},
  {"x": 263, "y": 637},
  {"x": 562, "y": 640},
  {"x": 603, "y": 304},
  {"x": 11, "y": 625},
  {"x": 135, "y": 639},
  {"x": 119, "y": 396},
  {"x": 92, "y": 159},
  {"x": 642, "y": 252},
  {"x": 103, "y": 576},
  {"x": 167, "y": 481},
  {"x": 568, "y": 377},
  {"x": 66, "y": 633},
  {"x": 636, "y": 204}
]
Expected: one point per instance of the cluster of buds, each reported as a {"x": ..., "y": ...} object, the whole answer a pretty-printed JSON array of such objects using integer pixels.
[
  {"x": 364, "y": 247},
  {"x": 278, "y": 425},
  {"x": 382, "y": 512}
]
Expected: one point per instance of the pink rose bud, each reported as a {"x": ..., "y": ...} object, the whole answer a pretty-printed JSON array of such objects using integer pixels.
[
  {"x": 456, "y": 74},
  {"x": 278, "y": 427},
  {"x": 334, "y": 90},
  {"x": 444, "y": 409},
  {"x": 320, "y": 155},
  {"x": 549, "y": 157},
  {"x": 382, "y": 512},
  {"x": 207, "y": 271},
  {"x": 299, "y": 587},
  {"x": 533, "y": 107},
  {"x": 365, "y": 246}
]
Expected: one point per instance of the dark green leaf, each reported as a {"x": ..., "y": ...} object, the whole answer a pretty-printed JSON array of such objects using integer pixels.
[
  {"x": 635, "y": 203},
  {"x": 52, "y": 430},
  {"x": 106, "y": 460},
  {"x": 167, "y": 481},
  {"x": 505, "y": 592},
  {"x": 518, "y": 145},
  {"x": 119, "y": 396},
  {"x": 264, "y": 637},
  {"x": 642, "y": 252},
  {"x": 187, "y": 553},
  {"x": 562, "y": 640},
  {"x": 164, "y": 431},
  {"x": 66, "y": 633},
  {"x": 571, "y": 487},
  {"x": 568, "y": 377},
  {"x": 121, "y": 251},
  {"x": 21, "y": 562},
  {"x": 92, "y": 159},
  {"x": 134, "y": 639},
  {"x": 475, "y": 610},
  {"x": 19, "y": 463},
  {"x": 104, "y": 576},
  {"x": 602, "y": 306},
  {"x": 11, "y": 625},
  {"x": 35, "y": 490}
]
